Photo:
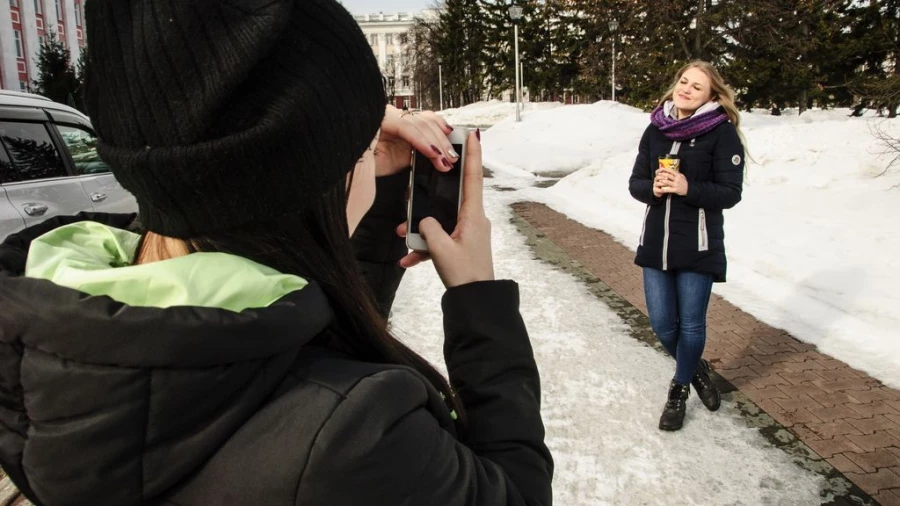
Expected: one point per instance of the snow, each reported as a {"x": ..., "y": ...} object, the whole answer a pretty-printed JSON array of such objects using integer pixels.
[
  {"x": 812, "y": 248},
  {"x": 600, "y": 410},
  {"x": 491, "y": 113}
]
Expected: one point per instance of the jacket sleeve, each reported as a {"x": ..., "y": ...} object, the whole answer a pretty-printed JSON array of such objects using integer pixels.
[
  {"x": 724, "y": 190},
  {"x": 375, "y": 241},
  {"x": 383, "y": 446},
  {"x": 641, "y": 182}
]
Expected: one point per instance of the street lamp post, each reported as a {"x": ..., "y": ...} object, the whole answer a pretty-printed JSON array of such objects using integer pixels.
[
  {"x": 440, "y": 83},
  {"x": 522, "y": 79},
  {"x": 515, "y": 13},
  {"x": 613, "y": 26}
]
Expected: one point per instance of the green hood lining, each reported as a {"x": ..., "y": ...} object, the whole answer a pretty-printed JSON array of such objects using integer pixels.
[{"x": 97, "y": 259}]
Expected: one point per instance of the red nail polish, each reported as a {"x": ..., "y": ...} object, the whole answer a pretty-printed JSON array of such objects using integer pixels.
[
  {"x": 437, "y": 150},
  {"x": 478, "y": 134}
]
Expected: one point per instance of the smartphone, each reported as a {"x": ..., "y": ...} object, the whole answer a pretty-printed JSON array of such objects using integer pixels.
[{"x": 435, "y": 193}]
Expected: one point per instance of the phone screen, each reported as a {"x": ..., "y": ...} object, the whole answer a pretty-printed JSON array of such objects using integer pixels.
[{"x": 435, "y": 193}]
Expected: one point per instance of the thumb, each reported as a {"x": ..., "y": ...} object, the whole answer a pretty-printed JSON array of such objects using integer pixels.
[{"x": 435, "y": 236}]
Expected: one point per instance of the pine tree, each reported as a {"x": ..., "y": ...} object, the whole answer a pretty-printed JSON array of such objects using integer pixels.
[
  {"x": 497, "y": 52},
  {"x": 80, "y": 68},
  {"x": 56, "y": 77},
  {"x": 786, "y": 52},
  {"x": 536, "y": 49},
  {"x": 875, "y": 33},
  {"x": 460, "y": 39}
]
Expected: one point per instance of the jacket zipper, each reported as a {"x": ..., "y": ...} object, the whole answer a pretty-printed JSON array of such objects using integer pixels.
[
  {"x": 665, "y": 252},
  {"x": 676, "y": 145},
  {"x": 704, "y": 239},
  {"x": 644, "y": 226}
]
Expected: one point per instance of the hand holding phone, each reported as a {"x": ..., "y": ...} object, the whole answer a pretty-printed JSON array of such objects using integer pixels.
[
  {"x": 463, "y": 255},
  {"x": 435, "y": 194}
]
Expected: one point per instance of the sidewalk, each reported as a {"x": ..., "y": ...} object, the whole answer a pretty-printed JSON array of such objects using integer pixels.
[{"x": 847, "y": 417}]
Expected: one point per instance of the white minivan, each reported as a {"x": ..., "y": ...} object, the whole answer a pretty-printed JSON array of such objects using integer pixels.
[{"x": 49, "y": 164}]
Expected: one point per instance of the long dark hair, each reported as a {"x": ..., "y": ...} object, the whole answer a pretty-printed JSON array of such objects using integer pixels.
[{"x": 315, "y": 244}]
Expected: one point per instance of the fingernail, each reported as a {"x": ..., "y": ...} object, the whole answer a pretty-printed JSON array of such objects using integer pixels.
[
  {"x": 437, "y": 150},
  {"x": 447, "y": 163},
  {"x": 450, "y": 127},
  {"x": 478, "y": 134},
  {"x": 453, "y": 153}
]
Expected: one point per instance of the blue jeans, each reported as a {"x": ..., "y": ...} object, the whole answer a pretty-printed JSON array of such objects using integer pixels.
[{"x": 677, "y": 303}]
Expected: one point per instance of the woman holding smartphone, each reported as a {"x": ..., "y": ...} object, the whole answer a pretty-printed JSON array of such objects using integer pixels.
[
  {"x": 689, "y": 168},
  {"x": 228, "y": 352}
]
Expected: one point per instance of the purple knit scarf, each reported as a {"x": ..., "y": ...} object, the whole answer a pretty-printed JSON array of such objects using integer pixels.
[{"x": 688, "y": 128}]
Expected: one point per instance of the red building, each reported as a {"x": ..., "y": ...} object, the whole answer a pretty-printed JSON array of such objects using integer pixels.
[{"x": 24, "y": 24}]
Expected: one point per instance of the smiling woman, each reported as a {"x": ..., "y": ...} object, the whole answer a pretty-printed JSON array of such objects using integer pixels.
[{"x": 682, "y": 247}]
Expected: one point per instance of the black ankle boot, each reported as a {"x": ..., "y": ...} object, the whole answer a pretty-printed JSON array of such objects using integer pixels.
[
  {"x": 706, "y": 389},
  {"x": 673, "y": 416}
]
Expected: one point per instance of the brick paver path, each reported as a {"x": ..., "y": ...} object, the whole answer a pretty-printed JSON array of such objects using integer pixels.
[{"x": 846, "y": 416}]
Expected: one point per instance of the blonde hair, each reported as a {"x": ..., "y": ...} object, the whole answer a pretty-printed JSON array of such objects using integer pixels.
[
  {"x": 154, "y": 248},
  {"x": 720, "y": 92}
]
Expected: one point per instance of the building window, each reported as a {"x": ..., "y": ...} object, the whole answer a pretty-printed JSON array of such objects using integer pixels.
[
  {"x": 374, "y": 39},
  {"x": 19, "y": 52},
  {"x": 58, "y": 13},
  {"x": 405, "y": 81},
  {"x": 14, "y": 3},
  {"x": 388, "y": 39},
  {"x": 38, "y": 7},
  {"x": 23, "y": 86},
  {"x": 77, "y": 14}
]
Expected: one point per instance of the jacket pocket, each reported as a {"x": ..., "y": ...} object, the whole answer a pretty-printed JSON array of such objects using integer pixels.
[
  {"x": 644, "y": 226},
  {"x": 702, "y": 232}
]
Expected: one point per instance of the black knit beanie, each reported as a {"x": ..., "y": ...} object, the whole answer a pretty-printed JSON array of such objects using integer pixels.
[{"x": 221, "y": 113}]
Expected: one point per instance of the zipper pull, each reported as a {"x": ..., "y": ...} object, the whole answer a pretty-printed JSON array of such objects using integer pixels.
[{"x": 693, "y": 141}]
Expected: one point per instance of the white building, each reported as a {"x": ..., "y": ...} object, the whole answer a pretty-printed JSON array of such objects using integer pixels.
[
  {"x": 387, "y": 34},
  {"x": 23, "y": 26}
]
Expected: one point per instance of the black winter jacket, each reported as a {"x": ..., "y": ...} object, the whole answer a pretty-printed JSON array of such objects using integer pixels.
[
  {"x": 106, "y": 404},
  {"x": 378, "y": 249},
  {"x": 687, "y": 232}
]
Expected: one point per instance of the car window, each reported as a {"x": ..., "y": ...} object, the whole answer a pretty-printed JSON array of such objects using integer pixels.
[
  {"x": 6, "y": 173},
  {"x": 82, "y": 145},
  {"x": 31, "y": 151}
]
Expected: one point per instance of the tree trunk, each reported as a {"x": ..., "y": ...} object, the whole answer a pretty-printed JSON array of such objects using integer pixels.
[
  {"x": 698, "y": 39},
  {"x": 804, "y": 30}
]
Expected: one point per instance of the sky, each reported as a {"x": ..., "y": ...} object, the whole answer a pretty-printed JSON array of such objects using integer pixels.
[
  {"x": 810, "y": 247},
  {"x": 386, "y": 6}
]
